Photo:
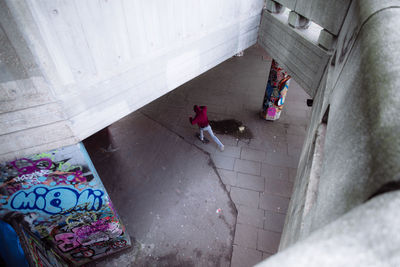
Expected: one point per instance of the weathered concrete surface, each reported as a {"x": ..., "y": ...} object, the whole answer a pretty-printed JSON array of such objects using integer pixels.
[
  {"x": 296, "y": 50},
  {"x": 368, "y": 151},
  {"x": 167, "y": 192},
  {"x": 326, "y": 40},
  {"x": 366, "y": 236},
  {"x": 362, "y": 144},
  {"x": 273, "y": 7}
]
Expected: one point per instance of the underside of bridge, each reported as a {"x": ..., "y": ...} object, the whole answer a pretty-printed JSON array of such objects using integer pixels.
[
  {"x": 187, "y": 203},
  {"x": 317, "y": 186}
]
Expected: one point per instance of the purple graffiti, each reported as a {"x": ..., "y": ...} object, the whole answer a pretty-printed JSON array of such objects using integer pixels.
[
  {"x": 30, "y": 166},
  {"x": 87, "y": 230},
  {"x": 66, "y": 241},
  {"x": 57, "y": 200},
  {"x": 100, "y": 230}
]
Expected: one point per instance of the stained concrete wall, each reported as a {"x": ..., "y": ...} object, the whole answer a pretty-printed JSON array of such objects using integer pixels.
[
  {"x": 296, "y": 50},
  {"x": 328, "y": 14},
  {"x": 330, "y": 219},
  {"x": 87, "y": 64},
  {"x": 31, "y": 117}
]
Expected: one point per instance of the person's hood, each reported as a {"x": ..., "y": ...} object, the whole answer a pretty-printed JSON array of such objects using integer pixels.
[{"x": 196, "y": 109}]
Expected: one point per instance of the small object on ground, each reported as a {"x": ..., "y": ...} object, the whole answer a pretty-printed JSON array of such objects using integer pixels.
[
  {"x": 231, "y": 127},
  {"x": 241, "y": 128},
  {"x": 205, "y": 140},
  {"x": 218, "y": 211}
]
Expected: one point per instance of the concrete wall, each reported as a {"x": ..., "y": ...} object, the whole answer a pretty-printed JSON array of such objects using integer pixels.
[
  {"x": 328, "y": 14},
  {"x": 330, "y": 219},
  {"x": 87, "y": 64},
  {"x": 31, "y": 117},
  {"x": 296, "y": 50}
]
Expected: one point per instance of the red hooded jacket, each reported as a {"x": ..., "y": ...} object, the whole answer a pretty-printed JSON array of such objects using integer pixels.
[{"x": 201, "y": 116}]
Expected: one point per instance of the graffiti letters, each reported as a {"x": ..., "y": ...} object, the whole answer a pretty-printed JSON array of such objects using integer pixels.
[
  {"x": 32, "y": 176},
  {"x": 100, "y": 230},
  {"x": 67, "y": 241},
  {"x": 62, "y": 206},
  {"x": 57, "y": 200}
]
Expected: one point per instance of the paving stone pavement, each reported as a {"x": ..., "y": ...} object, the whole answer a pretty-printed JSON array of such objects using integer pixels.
[{"x": 258, "y": 173}]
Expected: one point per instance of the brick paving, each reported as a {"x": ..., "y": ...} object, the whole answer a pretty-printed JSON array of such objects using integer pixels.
[{"x": 259, "y": 174}]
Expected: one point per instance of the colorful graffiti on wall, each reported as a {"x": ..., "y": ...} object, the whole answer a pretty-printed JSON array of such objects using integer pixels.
[
  {"x": 62, "y": 206},
  {"x": 275, "y": 93}
]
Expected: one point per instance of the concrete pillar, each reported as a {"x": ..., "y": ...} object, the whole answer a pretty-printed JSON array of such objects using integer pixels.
[
  {"x": 274, "y": 7},
  {"x": 275, "y": 93},
  {"x": 298, "y": 21}
]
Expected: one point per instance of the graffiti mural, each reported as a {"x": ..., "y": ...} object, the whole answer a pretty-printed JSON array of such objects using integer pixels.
[
  {"x": 65, "y": 212},
  {"x": 275, "y": 93}
]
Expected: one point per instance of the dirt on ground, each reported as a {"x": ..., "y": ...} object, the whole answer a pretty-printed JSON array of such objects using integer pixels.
[{"x": 232, "y": 127}]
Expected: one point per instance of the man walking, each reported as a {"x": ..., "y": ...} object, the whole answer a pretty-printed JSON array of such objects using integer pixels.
[{"x": 202, "y": 121}]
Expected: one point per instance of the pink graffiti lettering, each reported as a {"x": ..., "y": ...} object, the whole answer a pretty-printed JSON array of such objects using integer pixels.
[
  {"x": 271, "y": 111},
  {"x": 87, "y": 230},
  {"x": 66, "y": 241},
  {"x": 100, "y": 230}
]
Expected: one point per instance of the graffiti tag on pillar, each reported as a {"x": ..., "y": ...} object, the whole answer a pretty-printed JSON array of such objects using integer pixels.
[
  {"x": 275, "y": 93},
  {"x": 62, "y": 205},
  {"x": 57, "y": 200}
]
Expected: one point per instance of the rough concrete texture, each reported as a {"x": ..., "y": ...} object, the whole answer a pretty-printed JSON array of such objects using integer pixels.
[
  {"x": 273, "y": 7},
  {"x": 257, "y": 173},
  {"x": 328, "y": 14},
  {"x": 362, "y": 148},
  {"x": 366, "y": 236},
  {"x": 296, "y": 50},
  {"x": 167, "y": 193},
  {"x": 31, "y": 119}
]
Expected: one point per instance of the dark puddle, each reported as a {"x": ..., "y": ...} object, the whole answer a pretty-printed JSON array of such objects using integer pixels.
[{"x": 232, "y": 127}]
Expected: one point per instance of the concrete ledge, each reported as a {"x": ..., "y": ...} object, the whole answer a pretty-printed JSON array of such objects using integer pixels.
[
  {"x": 296, "y": 50},
  {"x": 347, "y": 242},
  {"x": 362, "y": 146}
]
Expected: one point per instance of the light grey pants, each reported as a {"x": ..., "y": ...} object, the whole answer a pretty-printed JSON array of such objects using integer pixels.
[{"x": 209, "y": 130}]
